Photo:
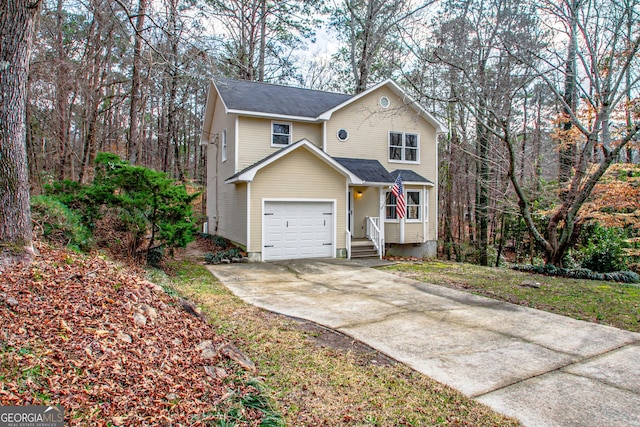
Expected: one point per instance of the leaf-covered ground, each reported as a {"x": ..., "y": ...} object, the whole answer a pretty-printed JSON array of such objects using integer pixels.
[{"x": 114, "y": 349}]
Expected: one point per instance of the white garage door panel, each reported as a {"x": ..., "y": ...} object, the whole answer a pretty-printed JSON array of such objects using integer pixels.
[{"x": 298, "y": 230}]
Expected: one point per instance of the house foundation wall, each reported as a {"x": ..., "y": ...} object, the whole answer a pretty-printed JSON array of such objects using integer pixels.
[
  {"x": 428, "y": 249},
  {"x": 257, "y": 256}
]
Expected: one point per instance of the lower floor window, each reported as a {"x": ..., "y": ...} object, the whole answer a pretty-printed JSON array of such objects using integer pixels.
[
  {"x": 390, "y": 207},
  {"x": 413, "y": 205}
]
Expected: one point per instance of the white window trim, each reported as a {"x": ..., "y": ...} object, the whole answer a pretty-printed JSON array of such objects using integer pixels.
[
  {"x": 420, "y": 204},
  {"x": 224, "y": 145},
  {"x": 403, "y": 148},
  {"x": 274, "y": 122}
]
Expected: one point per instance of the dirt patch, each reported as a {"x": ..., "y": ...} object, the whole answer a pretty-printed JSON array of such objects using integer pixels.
[{"x": 330, "y": 338}]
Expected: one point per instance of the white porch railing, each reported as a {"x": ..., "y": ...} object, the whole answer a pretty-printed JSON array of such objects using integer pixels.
[{"x": 373, "y": 234}]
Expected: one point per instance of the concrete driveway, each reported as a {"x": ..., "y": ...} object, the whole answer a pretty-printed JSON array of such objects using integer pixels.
[{"x": 542, "y": 368}]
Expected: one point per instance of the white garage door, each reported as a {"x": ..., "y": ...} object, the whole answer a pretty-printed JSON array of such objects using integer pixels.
[{"x": 297, "y": 230}]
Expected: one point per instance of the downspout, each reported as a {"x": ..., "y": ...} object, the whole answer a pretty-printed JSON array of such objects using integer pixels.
[
  {"x": 324, "y": 136},
  {"x": 382, "y": 216},
  {"x": 217, "y": 199},
  {"x": 425, "y": 197}
]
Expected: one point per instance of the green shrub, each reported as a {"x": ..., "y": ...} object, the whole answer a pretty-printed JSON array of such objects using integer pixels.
[
  {"x": 148, "y": 200},
  {"x": 145, "y": 203},
  {"x": 78, "y": 197},
  {"x": 58, "y": 223},
  {"x": 602, "y": 249},
  {"x": 217, "y": 257},
  {"x": 580, "y": 273}
]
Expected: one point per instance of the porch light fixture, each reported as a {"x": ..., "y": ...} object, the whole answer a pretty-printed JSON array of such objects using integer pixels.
[{"x": 358, "y": 194}]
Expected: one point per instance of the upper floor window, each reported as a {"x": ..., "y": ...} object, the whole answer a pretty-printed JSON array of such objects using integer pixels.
[
  {"x": 280, "y": 134},
  {"x": 404, "y": 147},
  {"x": 224, "y": 145}
]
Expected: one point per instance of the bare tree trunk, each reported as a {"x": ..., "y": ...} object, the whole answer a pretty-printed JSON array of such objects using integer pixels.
[
  {"x": 629, "y": 98},
  {"x": 134, "y": 123},
  {"x": 92, "y": 101},
  {"x": 62, "y": 97},
  {"x": 482, "y": 183},
  {"x": 567, "y": 149},
  {"x": 263, "y": 40},
  {"x": 17, "y": 22}
]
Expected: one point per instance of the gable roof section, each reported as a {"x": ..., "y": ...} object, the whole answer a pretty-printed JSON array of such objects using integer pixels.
[
  {"x": 249, "y": 173},
  {"x": 370, "y": 171},
  {"x": 268, "y": 100},
  {"x": 406, "y": 99},
  {"x": 410, "y": 177}
]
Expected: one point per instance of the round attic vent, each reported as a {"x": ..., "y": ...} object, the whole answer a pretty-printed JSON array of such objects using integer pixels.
[
  {"x": 343, "y": 135},
  {"x": 384, "y": 102}
]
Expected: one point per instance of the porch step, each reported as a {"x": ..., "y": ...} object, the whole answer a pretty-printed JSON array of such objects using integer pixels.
[{"x": 363, "y": 248}]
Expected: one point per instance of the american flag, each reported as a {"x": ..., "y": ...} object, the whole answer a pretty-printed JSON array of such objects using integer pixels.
[{"x": 401, "y": 204}]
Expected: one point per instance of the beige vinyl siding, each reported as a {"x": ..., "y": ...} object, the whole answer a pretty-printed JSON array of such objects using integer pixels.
[
  {"x": 310, "y": 131},
  {"x": 233, "y": 213},
  {"x": 217, "y": 170},
  {"x": 366, "y": 206},
  {"x": 413, "y": 232},
  {"x": 369, "y": 124},
  {"x": 432, "y": 231},
  {"x": 391, "y": 232},
  {"x": 299, "y": 175},
  {"x": 255, "y": 138}
]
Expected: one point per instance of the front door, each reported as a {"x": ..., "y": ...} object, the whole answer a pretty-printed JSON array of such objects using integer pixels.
[{"x": 350, "y": 213}]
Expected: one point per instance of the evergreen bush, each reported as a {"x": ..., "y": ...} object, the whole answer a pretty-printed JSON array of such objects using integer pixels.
[
  {"x": 148, "y": 204},
  {"x": 56, "y": 222},
  {"x": 580, "y": 273},
  {"x": 602, "y": 249}
]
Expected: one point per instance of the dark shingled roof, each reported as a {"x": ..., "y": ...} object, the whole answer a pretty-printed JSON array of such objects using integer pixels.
[
  {"x": 366, "y": 170},
  {"x": 273, "y": 99},
  {"x": 409, "y": 175}
]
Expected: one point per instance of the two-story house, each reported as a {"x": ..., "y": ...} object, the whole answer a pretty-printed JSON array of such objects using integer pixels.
[{"x": 298, "y": 173}]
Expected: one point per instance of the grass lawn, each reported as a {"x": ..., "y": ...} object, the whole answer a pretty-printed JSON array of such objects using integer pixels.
[
  {"x": 319, "y": 378},
  {"x": 608, "y": 303}
]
